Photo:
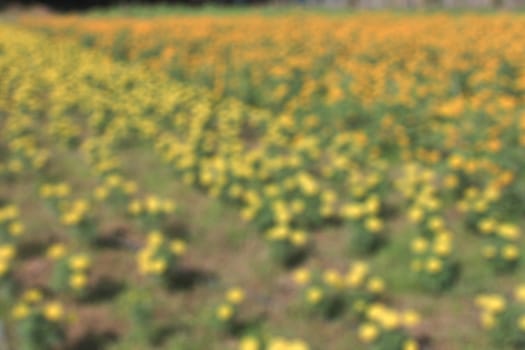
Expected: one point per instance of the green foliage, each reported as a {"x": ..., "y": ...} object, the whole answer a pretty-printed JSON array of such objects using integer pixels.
[{"x": 35, "y": 332}]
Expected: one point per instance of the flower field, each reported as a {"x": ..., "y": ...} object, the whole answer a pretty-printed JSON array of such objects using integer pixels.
[{"x": 300, "y": 181}]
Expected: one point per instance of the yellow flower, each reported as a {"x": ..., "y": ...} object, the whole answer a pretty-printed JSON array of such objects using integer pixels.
[
  {"x": 301, "y": 276},
  {"x": 278, "y": 232},
  {"x": 143, "y": 261},
  {"x": 442, "y": 247},
  {"x": 53, "y": 311},
  {"x": 360, "y": 267},
  {"x": 153, "y": 204},
  {"x": 297, "y": 345},
  {"x": 135, "y": 207},
  {"x": 372, "y": 204},
  {"x": 332, "y": 278},
  {"x": 410, "y": 318},
  {"x": 456, "y": 161},
  {"x": 435, "y": 223},
  {"x": 415, "y": 214},
  {"x": 224, "y": 312},
  {"x": 56, "y": 251},
  {"x": 487, "y": 225},
  {"x": 389, "y": 320},
  {"x": 510, "y": 252},
  {"x": 374, "y": 224},
  {"x": 155, "y": 239},
  {"x": 248, "y": 214},
  {"x": 410, "y": 344},
  {"x": 46, "y": 191},
  {"x": 488, "y": 320},
  {"x": 314, "y": 295},
  {"x": 376, "y": 285},
  {"x": 434, "y": 265},
  {"x": 80, "y": 206},
  {"x": 7, "y": 252},
  {"x": 480, "y": 206},
  {"x": 11, "y": 212},
  {"x": 328, "y": 196},
  {"x": 353, "y": 279},
  {"x": 249, "y": 343},
  {"x": 71, "y": 218},
  {"x": 235, "y": 295},
  {"x": 79, "y": 262},
  {"x": 158, "y": 266},
  {"x": 368, "y": 332},
  {"x": 16, "y": 229},
  {"x": 282, "y": 214},
  {"x": 62, "y": 190},
  {"x": 114, "y": 180},
  {"x": 299, "y": 238},
  {"x": 491, "y": 302},
  {"x": 78, "y": 281},
  {"x": 178, "y": 247},
  {"x": 32, "y": 296},
  {"x": 4, "y": 267},
  {"x": 519, "y": 293},
  {"x": 277, "y": 344},
  {"x": 352, "y": 211},
  {"x": 419, "y": 245},
  {"x": 356, "y": 275},
  {"x": 20, "y": 311},
  {"x": 451, "y": 181},
  {"x": 101, "y": 193},
  {"x": 307, "y": 183},
  {"x": 492, "y": 193},
  {"x": 509, "y": 231},
  {"x": 376, "y": 311}
]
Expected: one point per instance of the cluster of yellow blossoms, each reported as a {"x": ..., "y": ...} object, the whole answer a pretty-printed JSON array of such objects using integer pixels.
[
  {"x": 11, "y": 228},
  {"x": 330, "y": 292},
  {"x": 10, "y": 225},
  {"x": 272, "y": 343},
  {"x": 70, "y": 271},
  {"x": 160, "y": 255},
  {"x": 32, "y": 301},
  {"x": 504, "y": 317},
  {"x": 383, "y": 327},
  {"x": 7, "y": 255},
  {"x": 226, "y": 315}
]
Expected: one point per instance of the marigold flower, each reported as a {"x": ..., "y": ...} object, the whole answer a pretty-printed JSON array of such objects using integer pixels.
[
  {"x": 20, "y": 311},
  {"x": 53, "y": 311},
  {"x": 224, "y": 312},
  {"x": 314, "y": 295},
  {"x": 249, "y": 343},
  {"x": 235, "y": 295},
  {"x": 301, "y": 276},
  {"x": 367, "y": 333}
]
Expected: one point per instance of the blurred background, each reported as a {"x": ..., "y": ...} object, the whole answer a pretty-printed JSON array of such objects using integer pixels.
[{"x": 68, "y": 5}]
